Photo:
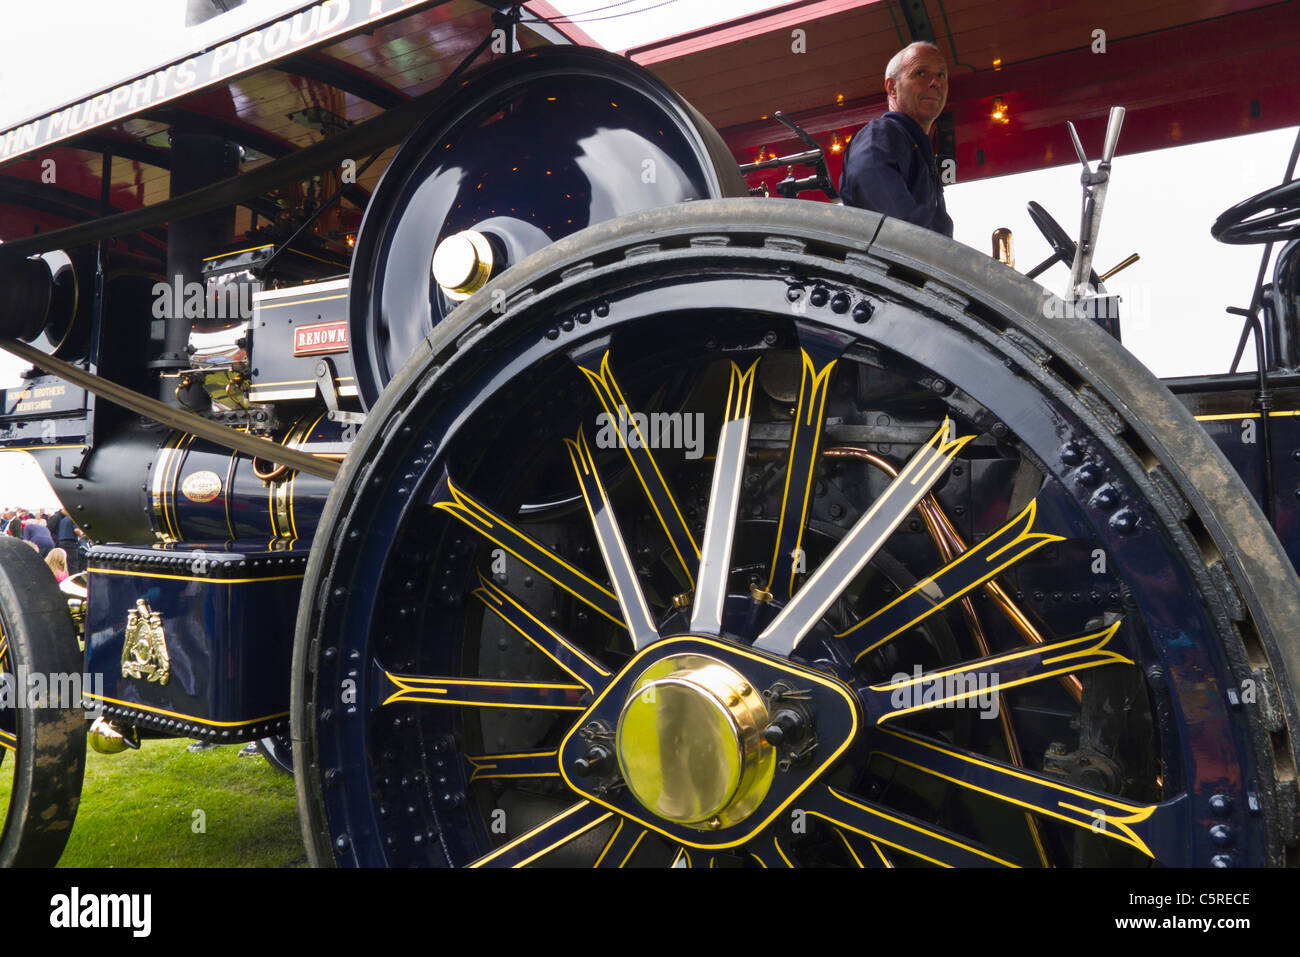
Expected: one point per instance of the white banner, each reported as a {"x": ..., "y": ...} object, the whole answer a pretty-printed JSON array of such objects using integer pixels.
[{"x": 283, "y": 37}]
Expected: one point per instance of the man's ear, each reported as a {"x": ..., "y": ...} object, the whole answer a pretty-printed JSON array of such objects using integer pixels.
[{"x": 891, "y": 87}]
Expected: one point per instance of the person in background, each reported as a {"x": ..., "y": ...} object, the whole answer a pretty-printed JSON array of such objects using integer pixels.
[
  {"x": 66, "y": 537},
  {"x": 83, "y": 550},
  {"x": 34, "y": 531},
  {"x": 57, "y": 559}
]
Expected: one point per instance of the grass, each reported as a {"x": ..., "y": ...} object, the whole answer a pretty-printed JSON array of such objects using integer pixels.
[{"x": 138, "y": 810}]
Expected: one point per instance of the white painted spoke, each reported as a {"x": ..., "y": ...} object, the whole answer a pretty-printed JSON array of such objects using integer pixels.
[
  {"x": 866, "y": 537},
  {"x": 724, "y": 504},
  {"x": 622, "y": 573}
]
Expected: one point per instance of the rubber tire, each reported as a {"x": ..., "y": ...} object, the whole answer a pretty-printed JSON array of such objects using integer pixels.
[
  {"x": 51, "y": 755},
  {"x": 1196, "y": 486}
]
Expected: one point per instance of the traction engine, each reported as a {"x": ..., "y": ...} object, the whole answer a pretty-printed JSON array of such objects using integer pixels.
[{"x": 666, "y": 525}]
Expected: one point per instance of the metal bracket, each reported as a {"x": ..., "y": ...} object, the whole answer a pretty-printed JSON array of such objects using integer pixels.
[
  {"x": 78, "y": 470},
  {"x": 325, "y": 384},
  {"x": 917, "y": 19}
]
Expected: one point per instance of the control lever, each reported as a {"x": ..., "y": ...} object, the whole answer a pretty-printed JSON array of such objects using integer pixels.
[
  {"x": 1118, "y": 267},
  {"x": 325, "y": 374},
  {"x": 814, "y": 156},
  {"x": 1094, "y": 199},
  {"x": 796, "y": 129}
]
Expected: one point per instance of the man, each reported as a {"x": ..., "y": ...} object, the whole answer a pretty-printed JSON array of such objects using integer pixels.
[
  {"x": 890, "y": 165},
  {"x": 35, "y": 531},
  {"x": 65, "y": 536}
]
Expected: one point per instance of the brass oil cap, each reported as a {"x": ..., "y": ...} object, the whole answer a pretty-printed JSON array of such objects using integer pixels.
[
  {"x": 690, "y": 743},
  {"x": 462, "y": 264}
]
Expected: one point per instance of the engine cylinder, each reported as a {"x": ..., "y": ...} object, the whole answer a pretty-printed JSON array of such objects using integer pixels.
[{"x": 201, "y": 492}]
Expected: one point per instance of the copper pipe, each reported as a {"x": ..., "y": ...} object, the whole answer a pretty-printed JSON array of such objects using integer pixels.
[
  {"x": 949, "y": 545},
  {"x": 234, "y": 393},
  {"x": 1004, "y": 602},
  {"x": 270, "y": 476}
]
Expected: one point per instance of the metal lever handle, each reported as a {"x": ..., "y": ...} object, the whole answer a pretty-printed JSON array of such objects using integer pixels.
[
  {"x": 1113, "y": 126},
  {"x": 796, "y": 129},
  {"x": 1119, "y": 266},
  {"x": 1095, "y": 185},
  {"x": 1078, "y": 146}
]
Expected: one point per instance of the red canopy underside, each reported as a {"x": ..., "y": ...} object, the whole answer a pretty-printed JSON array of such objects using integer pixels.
[{"x": 1186, "y": 71}]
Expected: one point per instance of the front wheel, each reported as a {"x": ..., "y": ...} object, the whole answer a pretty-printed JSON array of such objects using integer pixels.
[
  {"x": 42, "y": 719},
  {"x": 919, "y": 574}
]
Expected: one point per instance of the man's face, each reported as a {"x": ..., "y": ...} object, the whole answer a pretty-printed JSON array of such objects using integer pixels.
[{"x": 921, "y": 88}]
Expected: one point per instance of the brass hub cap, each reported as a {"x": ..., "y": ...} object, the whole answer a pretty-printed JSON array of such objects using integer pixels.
[
  {"x": 462, "y": 264},
  {"x": 690, "y": 742}
]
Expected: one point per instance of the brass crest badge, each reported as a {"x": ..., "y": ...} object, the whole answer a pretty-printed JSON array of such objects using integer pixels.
[{"x": 144, "y": 654}]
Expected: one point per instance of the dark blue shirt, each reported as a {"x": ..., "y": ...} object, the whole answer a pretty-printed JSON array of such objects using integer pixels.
[
  {"x": 890, "y": 168},
  {"x": 66, "y": 530},
  {"x": 39, "y": 534}
]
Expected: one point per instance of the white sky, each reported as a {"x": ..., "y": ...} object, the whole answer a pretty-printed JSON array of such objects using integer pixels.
[
  {"x": 106, "y": 40},
  {"x": 1160, "y": 204}
]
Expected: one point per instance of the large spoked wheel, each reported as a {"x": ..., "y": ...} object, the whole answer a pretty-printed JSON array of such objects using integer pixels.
[
  {"x": 919, "y": 575},
  {"x": 42, "y": 734}
]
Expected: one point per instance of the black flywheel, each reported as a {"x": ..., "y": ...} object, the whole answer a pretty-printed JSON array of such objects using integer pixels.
[
  {"x": 524, "y": 150},
  {"x": 911, "y": 573}
]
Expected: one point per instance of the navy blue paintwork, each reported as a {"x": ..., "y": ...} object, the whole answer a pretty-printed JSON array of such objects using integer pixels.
[{"x": 228, "y": 616}]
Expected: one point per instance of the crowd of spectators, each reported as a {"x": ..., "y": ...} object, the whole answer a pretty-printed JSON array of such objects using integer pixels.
[{"x": 55, "y": 536}]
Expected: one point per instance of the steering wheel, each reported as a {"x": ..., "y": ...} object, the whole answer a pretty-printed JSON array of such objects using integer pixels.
[
  {"x": 1242, "y": 225},
  {"x": 1062, "y": 245}
]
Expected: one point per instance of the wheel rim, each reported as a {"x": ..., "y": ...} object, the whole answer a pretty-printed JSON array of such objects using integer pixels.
[{"x": 411, "y": 762}]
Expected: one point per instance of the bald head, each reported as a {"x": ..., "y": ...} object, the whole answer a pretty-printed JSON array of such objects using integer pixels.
[{"x": 916, "y": 83}]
